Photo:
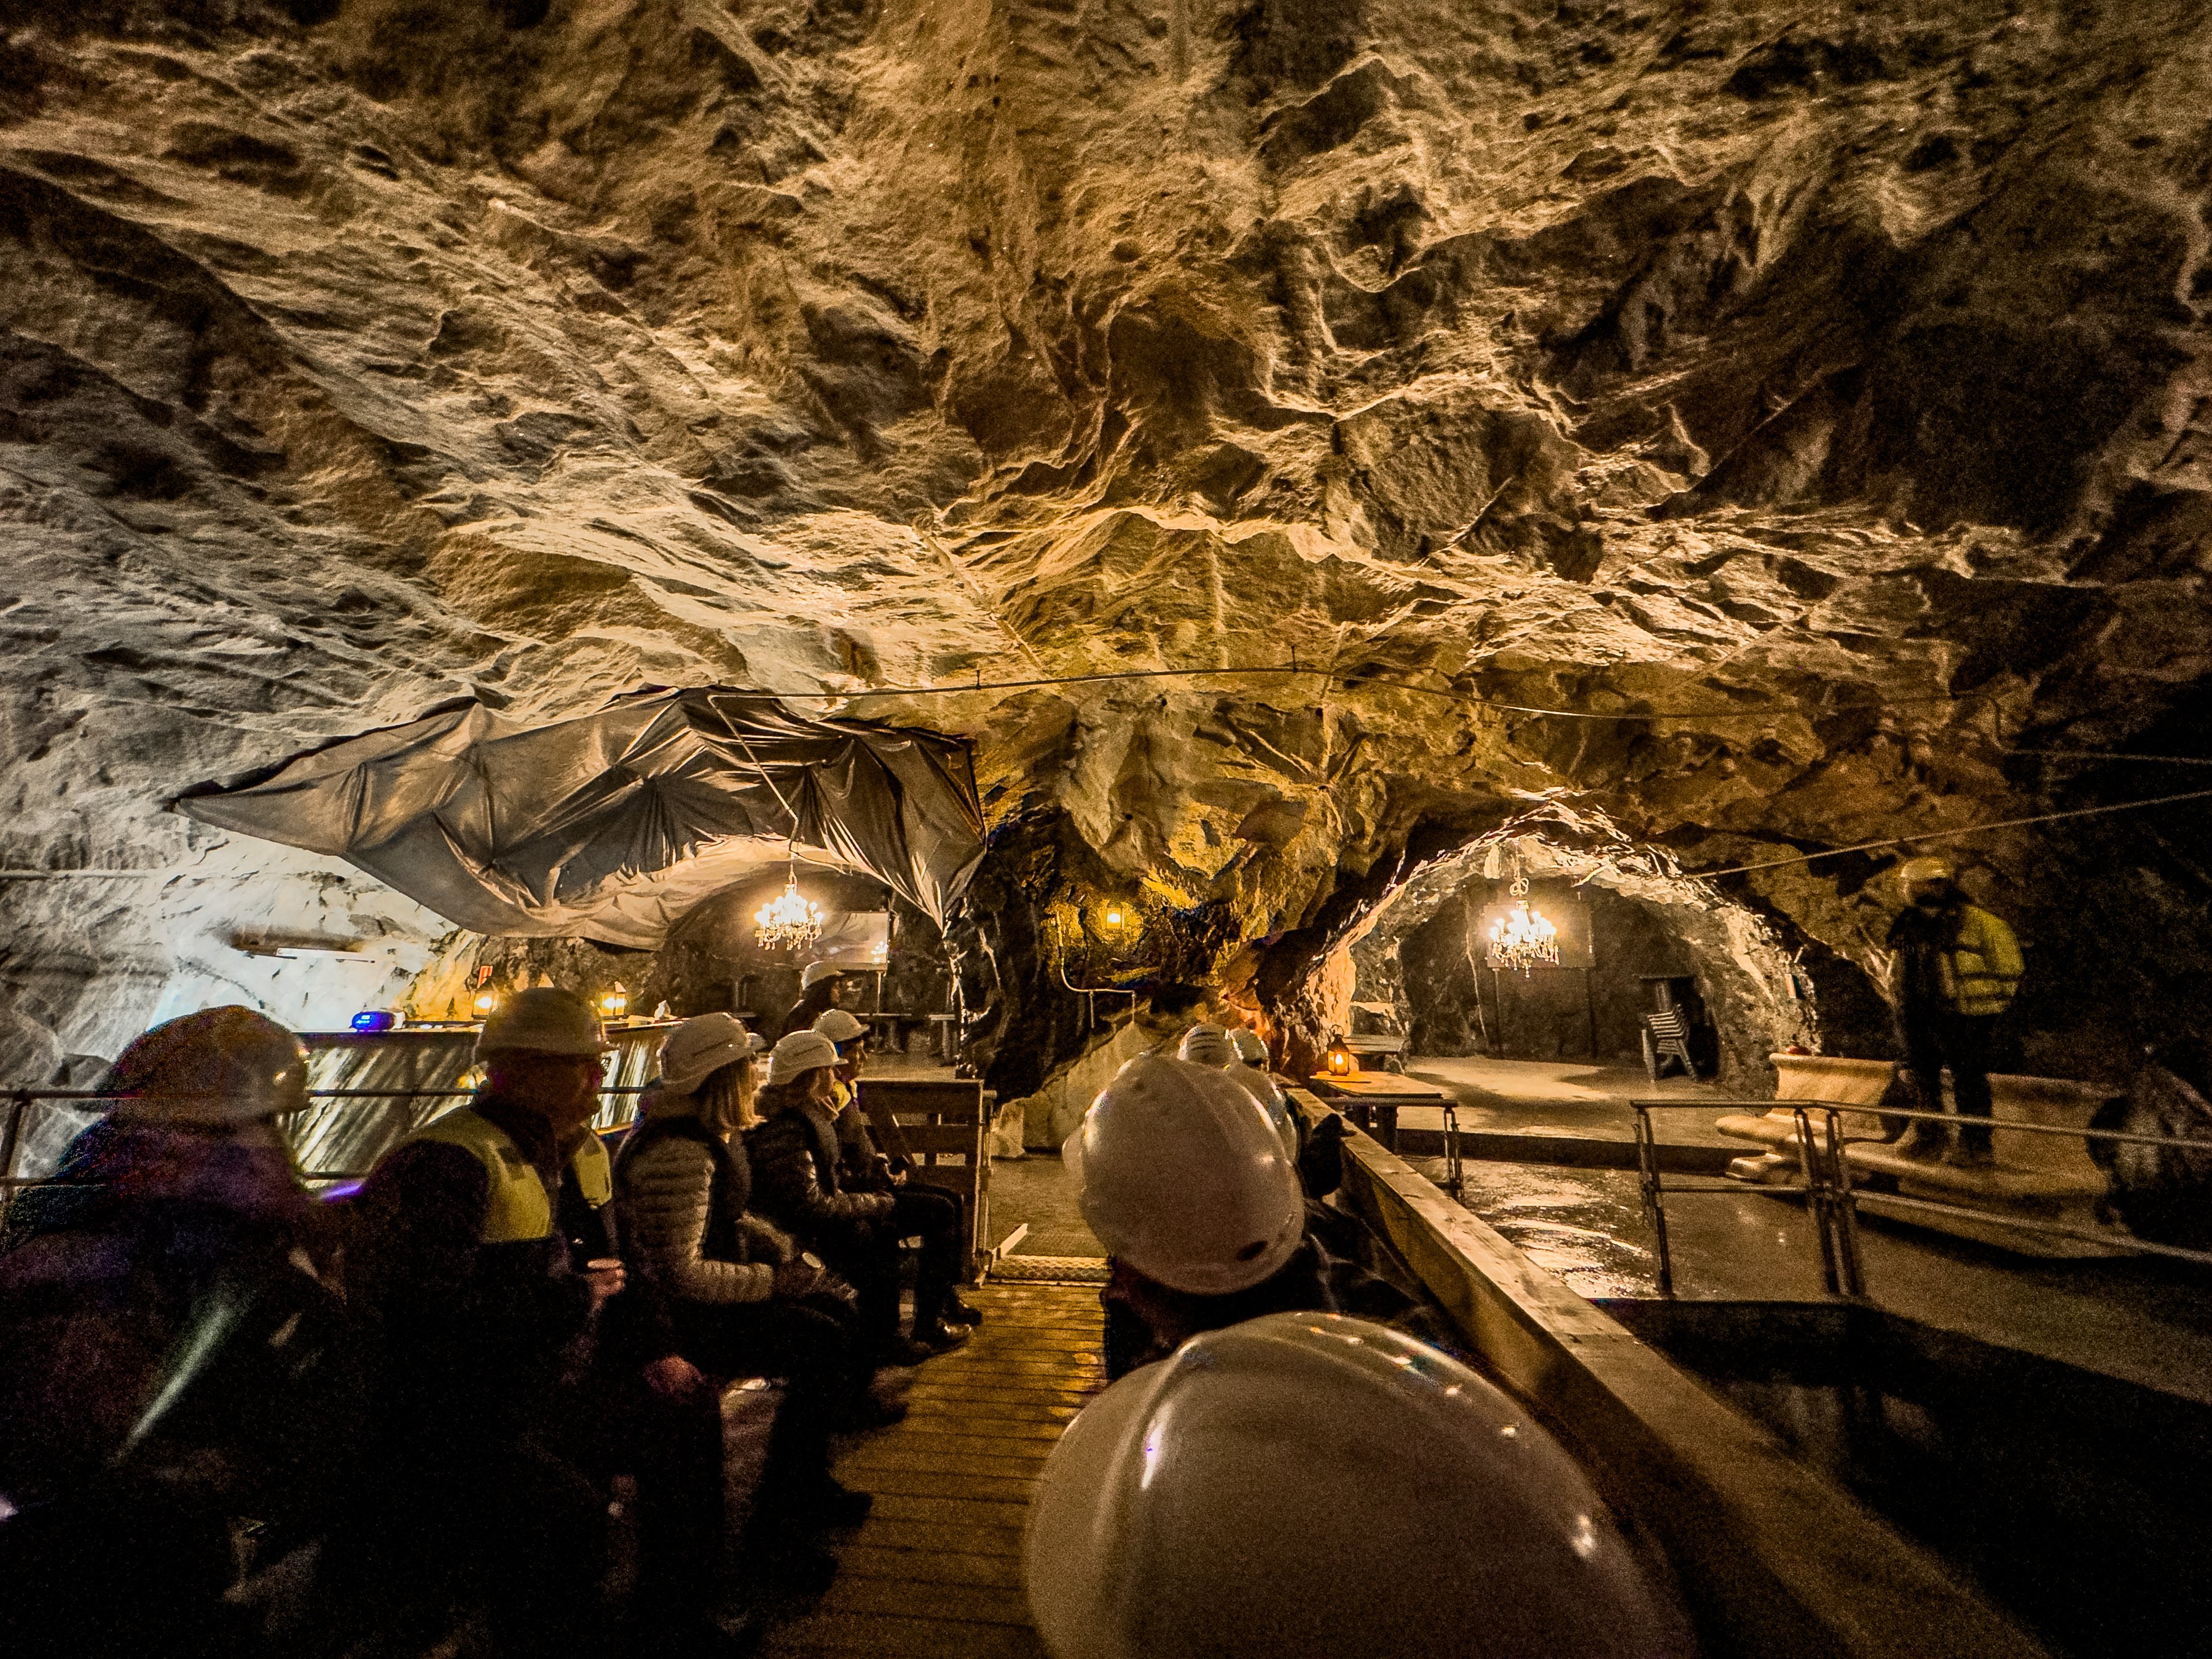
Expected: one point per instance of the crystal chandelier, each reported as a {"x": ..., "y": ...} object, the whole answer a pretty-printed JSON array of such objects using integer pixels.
[
  {"x": 1521, "y": 938},
  {"x": 789, "y": 918}
]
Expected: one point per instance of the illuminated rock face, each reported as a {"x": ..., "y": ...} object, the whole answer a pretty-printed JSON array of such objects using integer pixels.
[{"x": 1801, "y": 371}]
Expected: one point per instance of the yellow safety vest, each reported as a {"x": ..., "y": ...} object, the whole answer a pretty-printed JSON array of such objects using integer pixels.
[
  {"x": 1983, "y": 967},
  {"x": 519, "y": 1208}
]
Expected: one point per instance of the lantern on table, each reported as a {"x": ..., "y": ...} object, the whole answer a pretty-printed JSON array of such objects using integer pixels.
[{"x": 1339, "y": 1060}]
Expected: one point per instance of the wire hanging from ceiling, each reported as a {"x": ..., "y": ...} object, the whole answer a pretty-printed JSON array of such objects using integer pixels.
[{"x": 1354, "y": 680}]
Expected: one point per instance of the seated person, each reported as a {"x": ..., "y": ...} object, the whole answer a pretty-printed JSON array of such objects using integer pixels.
[
  {"x": 918, "y": 1208},
  {"x": 519, "y": 1366},
  {"x": 798, "y": 1184},
  {"x": 1197, "y": 1202},
  {"x": 170, "y": 1359},
  {"x": 742, "y": 1299}
]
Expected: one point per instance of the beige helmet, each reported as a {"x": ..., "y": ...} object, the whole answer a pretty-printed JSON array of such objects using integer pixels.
[
  {"x": 1249, "y": 1049},
  {"x": 1934, "y": 867},
  {"x": 840, "y": 1027},
  {"x": 699, "y": 1047},
  {"x": 1235, "y": 1501},
  {"x": 815, "y": 972},
  {"x": 797, "y": 1055},
  {"x": 1183, "y": 1177},
  {"x": 547, "y": 1020},
  {"x": 1205, "y": 1044},
  {"x": 220, "y": 1066}
]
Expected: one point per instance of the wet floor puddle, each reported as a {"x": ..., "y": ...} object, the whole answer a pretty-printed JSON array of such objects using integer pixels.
[{"x": 1571, "y": 1224}]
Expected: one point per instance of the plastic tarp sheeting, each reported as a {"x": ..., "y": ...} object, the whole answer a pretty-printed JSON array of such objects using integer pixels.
[{"x": 612, "y": 826}]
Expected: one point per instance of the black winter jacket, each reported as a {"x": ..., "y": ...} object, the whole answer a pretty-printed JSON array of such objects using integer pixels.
[{"x": 797, "y": 1184}]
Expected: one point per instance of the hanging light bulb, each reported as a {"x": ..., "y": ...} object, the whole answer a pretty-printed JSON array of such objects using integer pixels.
[
  {"x": 789, "y": 918},
  {"x": 1522, "y": 938}
]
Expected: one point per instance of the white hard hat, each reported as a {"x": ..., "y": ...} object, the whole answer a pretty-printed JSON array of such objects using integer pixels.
[
  {"x": 1311, "y": 1484},
  {"x": 1184, "y": 1178},
  {"x": 1206, "y": 1045},
  {"x": 797, "y": 1054},
  {"x": 546, "y": 1020},
  {"x": 1273, "y": 1102},
  {"x": 699, "y": 1047},
  {"x": 226, "y": 1065},
  {"x": 840, "y": 1027},
  {"x": 815, "y": 972},
  {"x": 1248, "y": 1048}
]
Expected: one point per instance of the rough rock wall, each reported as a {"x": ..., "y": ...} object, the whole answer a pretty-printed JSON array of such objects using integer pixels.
[{"x": 1828, "y": 380}]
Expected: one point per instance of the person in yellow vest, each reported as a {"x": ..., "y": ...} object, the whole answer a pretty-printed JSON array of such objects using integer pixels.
[
  {"x": 519, "y": 1365},
  {"x": 1954, "y": 968}
]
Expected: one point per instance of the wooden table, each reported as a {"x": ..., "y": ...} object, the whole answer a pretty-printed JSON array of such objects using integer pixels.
[{"x": 1372, "y": 1100}]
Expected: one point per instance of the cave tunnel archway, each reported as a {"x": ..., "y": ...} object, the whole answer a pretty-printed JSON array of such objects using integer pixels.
[{"x": 1626, "y": 918}]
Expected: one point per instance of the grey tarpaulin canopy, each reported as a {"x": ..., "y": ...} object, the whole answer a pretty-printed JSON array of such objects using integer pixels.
[{"x": 612, "y": 825}]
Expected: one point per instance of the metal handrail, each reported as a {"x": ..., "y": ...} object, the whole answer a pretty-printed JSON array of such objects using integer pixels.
[
  {"x": 1089, "y": 994},
  {"x": 1834, "y": 1201},
  {"x": 2004, "y": 1125},
  {"x": 20, "y": 1105}
]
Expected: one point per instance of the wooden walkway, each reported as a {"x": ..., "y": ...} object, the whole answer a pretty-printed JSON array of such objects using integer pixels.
[{"x": 936, "y": 1573}]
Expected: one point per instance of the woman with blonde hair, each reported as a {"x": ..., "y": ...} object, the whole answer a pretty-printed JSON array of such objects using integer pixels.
[{"x": 743, "y": 1300}]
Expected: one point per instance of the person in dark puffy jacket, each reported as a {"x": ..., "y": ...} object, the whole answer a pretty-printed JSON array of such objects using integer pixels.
[
  {"x": 743, "y": 1300},
  {"x": 170, "y": 1356},
  {"x": 800, "y": 1185},
  {"x": 919, "y": 1209}
]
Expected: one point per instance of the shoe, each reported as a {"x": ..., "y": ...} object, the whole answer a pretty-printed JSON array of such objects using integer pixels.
[
  {"x": 1922, "y": 1142},
  {"x": 957, "y": 1312},
  {"x": 1966, "y": 1156},
  {"x": 833, "y": 1503},
  {"x": 899, "y": 1353},
  {"x": 939, "y": 1338},
  {"x": 736, "y": 1636},
  {"x": 870, "y": 1412},
  {"x": 789, "y": 1564}
]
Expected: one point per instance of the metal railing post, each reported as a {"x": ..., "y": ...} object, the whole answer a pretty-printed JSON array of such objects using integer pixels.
[
  {"x": 17, "y": 1112},
  {"x": 1655, "y": 1203},
  {"x": 1846, "y": 1202},
  {"x": 1817, "y": 1201}
]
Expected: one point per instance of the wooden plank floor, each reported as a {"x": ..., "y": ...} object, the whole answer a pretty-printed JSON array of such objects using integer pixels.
[{"x": 936, "y": 1573}]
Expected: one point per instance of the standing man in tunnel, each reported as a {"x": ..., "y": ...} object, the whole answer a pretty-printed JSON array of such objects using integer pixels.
[{"x": 1955, "y": 970}]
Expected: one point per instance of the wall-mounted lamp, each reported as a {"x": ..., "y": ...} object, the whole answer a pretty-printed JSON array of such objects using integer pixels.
[
  {"x": 1113, "y": 918},
  {"x": 1339, "y": 1060},
  {"x": 485, "y": 1003}
]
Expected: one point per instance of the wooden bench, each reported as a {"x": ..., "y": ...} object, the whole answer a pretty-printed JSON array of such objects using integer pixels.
[
  {"x": 938, "y": 1127},
  {"x": 2036, "y": 1178},
  {"x": 1826, "y": 1078}
]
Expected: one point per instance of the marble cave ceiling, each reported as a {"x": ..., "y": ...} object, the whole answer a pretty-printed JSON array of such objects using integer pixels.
[{"x": 1831, "y": 378}]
